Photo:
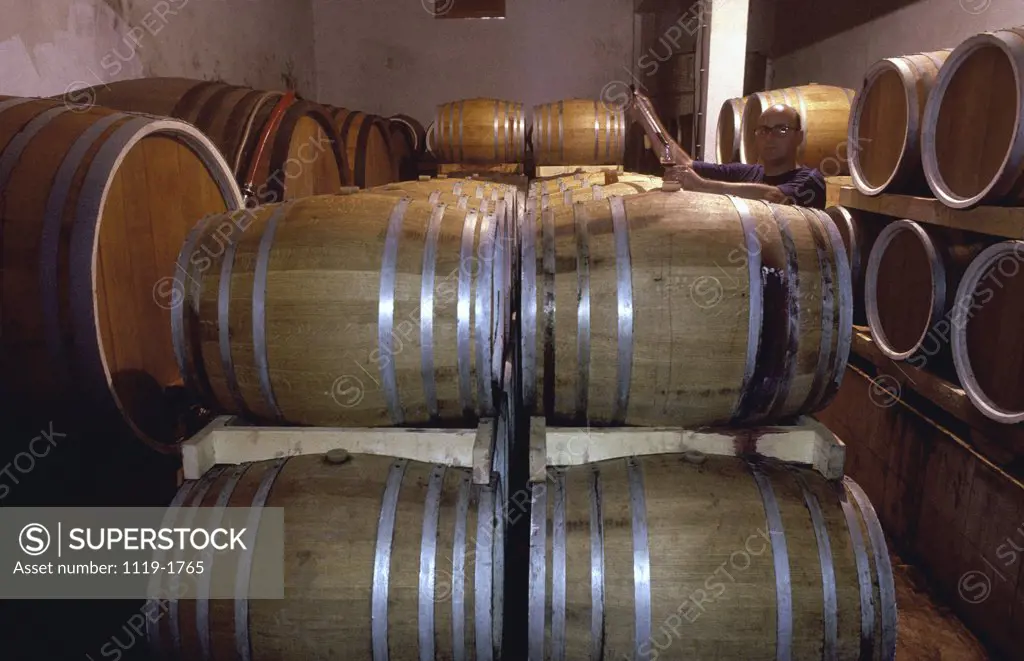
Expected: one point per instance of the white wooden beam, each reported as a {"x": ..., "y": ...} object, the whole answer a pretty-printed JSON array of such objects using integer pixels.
[{"x": 726, "y": 65}]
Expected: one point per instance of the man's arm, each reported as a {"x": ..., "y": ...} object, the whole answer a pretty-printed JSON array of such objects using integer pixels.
[
  {"x": 746, "y": 191},
  {"x": 724, "y": 180}
]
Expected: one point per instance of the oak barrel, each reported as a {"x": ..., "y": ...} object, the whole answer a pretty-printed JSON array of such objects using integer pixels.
[
  {"x": 910, "y": 285},
  {"x": 356, "y": 310},
  {"x": 279, "y": 147},
  {"x": 972, "y": 145},
  {"x": 859, "y": 230},
  {"x": 678, "y": 557},
  {"x": 459, "y": 192},
  {"x": 578, "y": 132},
  {"x": 681, "y": 309},
  {"x": 94, "y": 205},
  {"x": 986, "y": 332},
  {"x": 415, "y": 134},
  {"x": 383, "y": 558},
  {"x": 478, "y": 131},
  {"x": 560, "y": 183},
  {"x": 572, "y": 195},
  {"x": 730, "y": 130},
  {"x": 368, "y": 147},
  {"x": 408, "y": 144},
  {"x": 824, "y": 117},
  {"x": 886, "y": 122}
]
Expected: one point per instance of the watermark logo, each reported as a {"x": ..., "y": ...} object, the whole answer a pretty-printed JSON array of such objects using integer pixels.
[
  {"x": 169, "y": 292},
  {"x": 79, "y": 97},
  {"x": 975, "y": 6},
  {"x": 884, "y": 391},
  {"x": 707, "y": 292},
  {"x": 347, "y": 391},
  {"x": 437, "y": 7},
  {"x": 975, "y": 587},
  {"x": 34, "y": 539}
]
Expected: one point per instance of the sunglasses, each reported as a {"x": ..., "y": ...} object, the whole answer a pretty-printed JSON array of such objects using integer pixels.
[{"x": 779, "y": 131}]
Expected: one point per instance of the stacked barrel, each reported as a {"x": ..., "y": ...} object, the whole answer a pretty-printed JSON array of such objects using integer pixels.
[
  {"x": 178, "y": 247},
  {"x": 643, "y": 330},
  {"x": 942, "y": 123}
]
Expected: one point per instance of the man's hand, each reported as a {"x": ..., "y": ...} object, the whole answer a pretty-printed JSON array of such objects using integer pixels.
[{"x": 687, "y": 178}]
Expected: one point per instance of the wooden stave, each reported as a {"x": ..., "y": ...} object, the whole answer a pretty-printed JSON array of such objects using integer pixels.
[
  {"x": 732, "y": 109},
  {"x": 829, "y": 135},
  {"x": 216, "y": 354},
  {"x": 500, "y": 124},
  {"x": 560, "y": 133},
  {"x": 69, "y": 336},
  {"x": 196, "y": 100},
  {"x": 401, "y": 618},
  {"x": 1005, "y": 187},
  {"x": 760, "y": 393},
  {"x": 364, "y": 124},
  {"x": 840, "y": 603},
  {"x": 918, "y": 74}
]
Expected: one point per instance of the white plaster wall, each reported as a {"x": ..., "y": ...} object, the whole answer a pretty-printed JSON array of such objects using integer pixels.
[
  {"x": 727, "y": 59},
  {"x": 390, "y": 56},
  {"x": 50, "y": 46},
  {"x": 924, "y": 26}
]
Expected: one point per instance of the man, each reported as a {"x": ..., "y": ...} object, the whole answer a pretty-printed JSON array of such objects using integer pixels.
[{"x": 775, "y": 179}]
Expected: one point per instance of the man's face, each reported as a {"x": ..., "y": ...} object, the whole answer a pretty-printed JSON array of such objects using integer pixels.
[{"x": 778, "y": 137}]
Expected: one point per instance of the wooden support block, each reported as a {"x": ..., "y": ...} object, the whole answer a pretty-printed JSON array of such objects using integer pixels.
[
  {"x": 538, "y": 450},
  {"x": 833, "y": 188},
  {"x": 829, "y": 451},
  {"x": 810, "y": 444},
  {"x": 483, "y": 451},
  {"x": 559, "y": 170},
  {"x": 198, "y": 453},
  {"x": 223, "y": 444}
]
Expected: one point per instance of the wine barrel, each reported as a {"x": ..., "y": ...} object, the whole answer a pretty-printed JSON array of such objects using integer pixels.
[
  {"x": 94, "y": 205},
  {"x": 730, "y": 130},
  {"x": 478, "y": 131},
  {"x": 912, "y": 320},
  {"x": 279, "y": 147},
  {"x": 563, "y": 182},
  {"x": 368, "y": 147},
  {"x": 885, "y": 124},
  {"x": 824, "y": 117},
  {"x": 644, "y": 330},
  {"x": 859, "y": 230},
  {"x": 414, "y": 133},
  {"x": 462, "y": 193},
  {"x": 570, "y": 196},
  {"x": 972, "y": 144},
  {"x": 986, "y": 332},
  {"x": 408, "y": 143},
  {"x": 578, "y": 132},
  {"x": 356, "y": 310},
  {"x": 408, "y": 559},
  {"x": 674, "y": 557}
]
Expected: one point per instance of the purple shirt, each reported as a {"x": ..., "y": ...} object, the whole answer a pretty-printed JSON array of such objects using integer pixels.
[{"x": 804, "y": 186}]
